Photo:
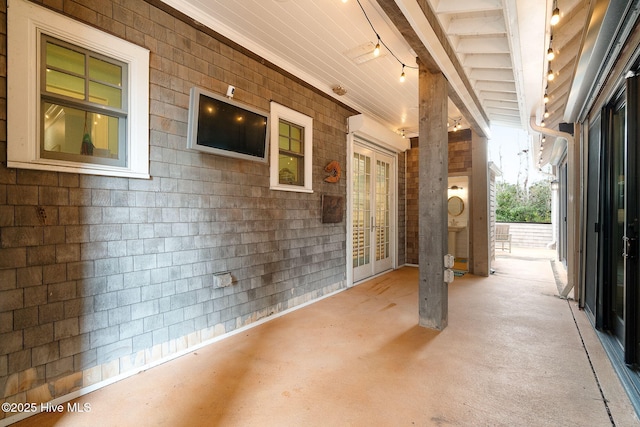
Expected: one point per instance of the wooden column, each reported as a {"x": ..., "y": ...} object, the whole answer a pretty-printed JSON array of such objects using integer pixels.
[
  {"x": 433, "y": 166},
  {"x": 479, "y": 205}
]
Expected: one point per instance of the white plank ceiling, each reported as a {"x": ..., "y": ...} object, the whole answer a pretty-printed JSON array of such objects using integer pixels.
[{"x": 501, "y": 45}]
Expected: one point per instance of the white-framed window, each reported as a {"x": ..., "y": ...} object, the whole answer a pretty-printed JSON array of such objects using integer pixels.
[
  {"x": 291, "y": 148},
  {"x": 77, "y": 98}
]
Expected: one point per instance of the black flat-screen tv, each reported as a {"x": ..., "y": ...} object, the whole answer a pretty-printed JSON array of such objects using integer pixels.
[{"x": 222, "y": 126}]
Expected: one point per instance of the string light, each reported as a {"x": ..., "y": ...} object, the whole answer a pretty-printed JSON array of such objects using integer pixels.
[
  {"x": 555, "y": 16},
  {"x": 551, "y": 55},
  {"x": 454, "y": 124},
  {"x": 550, "y": 75},
  {"x": 380, "y": 42}
]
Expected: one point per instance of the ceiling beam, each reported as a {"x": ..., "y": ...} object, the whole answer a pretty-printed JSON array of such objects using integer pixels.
[
  {"x": 462, "y": 6},
  {"x": 505, "y": 105},
  {"x": 427, "y": 38},
  {"x": 499, "y": 95},
  {"x": 491, "y": 75},
  {"x": 471, "y": 44},
  {"x": 477, "y": 26},
  {"x": 492, "y": 61},
  {"x": 493, "y": 86}
]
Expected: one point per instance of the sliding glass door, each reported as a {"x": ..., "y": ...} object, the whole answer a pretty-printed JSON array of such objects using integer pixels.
[{"x": 612, "y": 218}]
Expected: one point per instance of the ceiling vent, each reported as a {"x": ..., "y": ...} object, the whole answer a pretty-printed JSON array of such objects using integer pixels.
[{"x": 363, "y": 53}]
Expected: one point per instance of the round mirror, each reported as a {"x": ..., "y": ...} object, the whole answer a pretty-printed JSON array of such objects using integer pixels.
[{"x": 455, "y": 205}]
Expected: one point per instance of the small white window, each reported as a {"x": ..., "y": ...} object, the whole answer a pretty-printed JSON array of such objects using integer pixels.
[
  {"x": 78, "y": 98},
  {"x": 291, "y": 145}
]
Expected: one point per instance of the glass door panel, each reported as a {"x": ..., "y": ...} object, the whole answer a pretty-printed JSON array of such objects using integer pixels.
[
  {"x": 361, "y": 210},
  {"x": 373, "y": 226},
  {"x": 383, "y": 214},
  {"x": 619, "y": 220}
]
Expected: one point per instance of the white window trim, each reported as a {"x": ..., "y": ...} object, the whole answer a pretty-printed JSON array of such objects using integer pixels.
[
  {"x": 25, "y": 24},
  {"x": 281, "y": 112}
]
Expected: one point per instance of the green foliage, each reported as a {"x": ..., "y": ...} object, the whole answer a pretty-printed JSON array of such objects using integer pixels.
[{"x": 515, "y": 204}]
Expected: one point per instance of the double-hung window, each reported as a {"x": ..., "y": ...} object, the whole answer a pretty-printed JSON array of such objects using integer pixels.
[
  {"x": 291, "y": 154},
  {"x": 291, "y": 136},
  {"x": 83, "y": 105},
  {"x": 78, "y": 98}
]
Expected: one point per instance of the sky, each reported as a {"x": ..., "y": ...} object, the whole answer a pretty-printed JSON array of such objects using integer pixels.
[{"x": 510, "y": 150}]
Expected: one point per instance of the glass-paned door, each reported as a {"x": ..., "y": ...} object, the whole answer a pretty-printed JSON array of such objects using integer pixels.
[
  {"x": 630, "y": 132},
  {"x": 618, "y": 223},
  {"x": 620, "y": 215},
  {"x": 593, "y": 291},
  {"x": 361, "y": 167},
  {"x": 383, "y": 210},
  {"x": 373, "y": 225}
]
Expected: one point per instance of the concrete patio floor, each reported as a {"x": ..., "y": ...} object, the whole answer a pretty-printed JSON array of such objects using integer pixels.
[{"x": 512, "y": 355}]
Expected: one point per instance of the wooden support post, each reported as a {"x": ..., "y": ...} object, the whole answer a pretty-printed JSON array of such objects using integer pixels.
[
  {"x": 432, "y": 200},
  {"x": 481, "y": 252}
]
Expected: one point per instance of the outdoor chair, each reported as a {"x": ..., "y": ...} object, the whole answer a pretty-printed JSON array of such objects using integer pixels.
[{"x": 503, "y": 237}]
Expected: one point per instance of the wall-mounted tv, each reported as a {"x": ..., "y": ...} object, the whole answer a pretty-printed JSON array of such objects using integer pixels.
[{"x": 222, "y": 126}]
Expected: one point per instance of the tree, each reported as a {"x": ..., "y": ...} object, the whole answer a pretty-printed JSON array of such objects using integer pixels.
[{"x": 515, "y": 204}]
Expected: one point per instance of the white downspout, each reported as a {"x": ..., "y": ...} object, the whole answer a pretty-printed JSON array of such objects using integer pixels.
[{"x": 571, "y": 203}]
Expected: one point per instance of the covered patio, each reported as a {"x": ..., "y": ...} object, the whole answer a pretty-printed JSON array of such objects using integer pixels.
[{"x": 514, "y": 353}]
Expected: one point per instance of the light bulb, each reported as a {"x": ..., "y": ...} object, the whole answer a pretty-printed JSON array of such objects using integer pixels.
[
  {"x": 546, "y": 98},
  {"x": 555, "y": 17},
  {"x": 546, "y": 114},
  {"x": 550, "y": 54},
  {"x": 550, "y": 75},
  {"x": 376, "y": 51},
  {"x": 402, "y": 76}
]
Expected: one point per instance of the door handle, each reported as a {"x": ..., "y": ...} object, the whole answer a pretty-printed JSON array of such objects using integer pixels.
[{"x": 629, "y": 247}]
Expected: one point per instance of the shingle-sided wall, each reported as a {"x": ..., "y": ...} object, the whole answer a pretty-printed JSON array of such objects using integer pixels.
[
  {"x": 402, "y": 209},
  {"x": 412, "y": 212},
  {"x": 459, "y": 161},
  {"x": 460, "y": 151},
  {"x": 100, "y": 275}
]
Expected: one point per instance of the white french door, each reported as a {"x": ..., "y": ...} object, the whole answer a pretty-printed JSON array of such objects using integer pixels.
[{"x": 373, "y": 175}]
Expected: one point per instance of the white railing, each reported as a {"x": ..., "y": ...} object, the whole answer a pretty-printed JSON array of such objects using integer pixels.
[{"x": 529, "y": 235}]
